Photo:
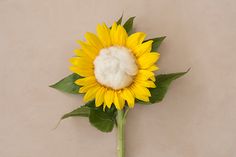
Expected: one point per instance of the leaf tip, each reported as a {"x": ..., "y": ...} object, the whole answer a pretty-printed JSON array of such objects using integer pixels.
[
  {"x": 187, "y": 70},
  {"x": 52, "y": 85},
  {"x": 132, "y": 18},
  {"x": 121, "y": 18},
  {"x": 58, "y": 123}
]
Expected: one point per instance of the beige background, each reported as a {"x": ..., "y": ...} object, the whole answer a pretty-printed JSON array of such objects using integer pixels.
[{"x": 197, "y": 117}]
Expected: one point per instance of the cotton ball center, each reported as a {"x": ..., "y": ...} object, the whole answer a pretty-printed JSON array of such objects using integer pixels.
[{"x": 115, "y": 67}]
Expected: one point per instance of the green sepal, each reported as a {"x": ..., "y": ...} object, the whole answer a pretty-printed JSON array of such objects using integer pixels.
[
  {"x": 67, "y": 84},
  {"x": 129, "y": 25},
  {"x": 162, "y": 82},
  {"x": 120, "y": 20},
  {"x": 156, "y": 42}
]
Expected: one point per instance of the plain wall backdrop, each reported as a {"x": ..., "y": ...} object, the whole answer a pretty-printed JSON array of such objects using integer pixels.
[{"x": 197, "y": 117}]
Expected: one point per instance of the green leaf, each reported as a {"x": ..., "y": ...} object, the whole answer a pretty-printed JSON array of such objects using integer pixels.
[
  {"x": 67, "y": 84},
  {"x": 162, "y": 82},
  {"x": 103, "y": 121},
  {"x": 83, "y": 111},
  {"x": 156, "y": 42},
  {"x": 129, "y": 25}
]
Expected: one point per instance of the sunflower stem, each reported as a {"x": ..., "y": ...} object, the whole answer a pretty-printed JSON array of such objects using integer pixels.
[{"x": 121, "y": 120}]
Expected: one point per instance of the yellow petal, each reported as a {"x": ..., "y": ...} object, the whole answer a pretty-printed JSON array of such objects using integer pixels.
[
  {"x": 93, "y": 40},
  {"x": 152, "y": 68},
  {"x": 103, "y": 33},
  {"x": 91, "y": 93},
  {"x": 86, "y": 81},
  {"x": 91, "y": 51},
  {"x": 82, "y": 72},
  {"x": 142, "y": 98},
  {"x": 85, "y": 88},
  {"x": 139, "y": 94},
  {"x": 108, "y": 97},
  {"x": 144, "y": 75},
  {"x": 113, "y": 32},
  {"x": 128, "y": 96},
  {"x": 120, "y": 36},
  {"x": 153, "y": 78},
  {"x": 147, "y": 83},
  {"x": 81, "y": 62},
  {"x": 141, "y": 89},
  {"x": 143, "y": 48},
  {"x": 79, "y": 52},
  {"x": 135, "y": 40},
  {"x": 100, "y": 96},
  {"x": 147, "y": 60},
  {"x": 118, "y": 101}
]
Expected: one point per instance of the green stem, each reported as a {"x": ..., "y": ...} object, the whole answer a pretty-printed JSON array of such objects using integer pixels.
[{"x": 121, "y": 119}]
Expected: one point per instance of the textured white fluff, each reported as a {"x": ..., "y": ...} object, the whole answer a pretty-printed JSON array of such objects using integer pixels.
[{"x": 115, "y": 67}]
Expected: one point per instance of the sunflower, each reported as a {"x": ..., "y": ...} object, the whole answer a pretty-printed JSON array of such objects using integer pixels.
[{"x": 115, "y": 68}]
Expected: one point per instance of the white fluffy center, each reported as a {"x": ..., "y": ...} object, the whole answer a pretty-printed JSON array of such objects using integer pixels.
[{"x": 115, "y": 67}]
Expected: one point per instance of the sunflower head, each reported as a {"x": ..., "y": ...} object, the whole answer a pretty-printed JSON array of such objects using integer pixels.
[{"x": 115, "y": 68}]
